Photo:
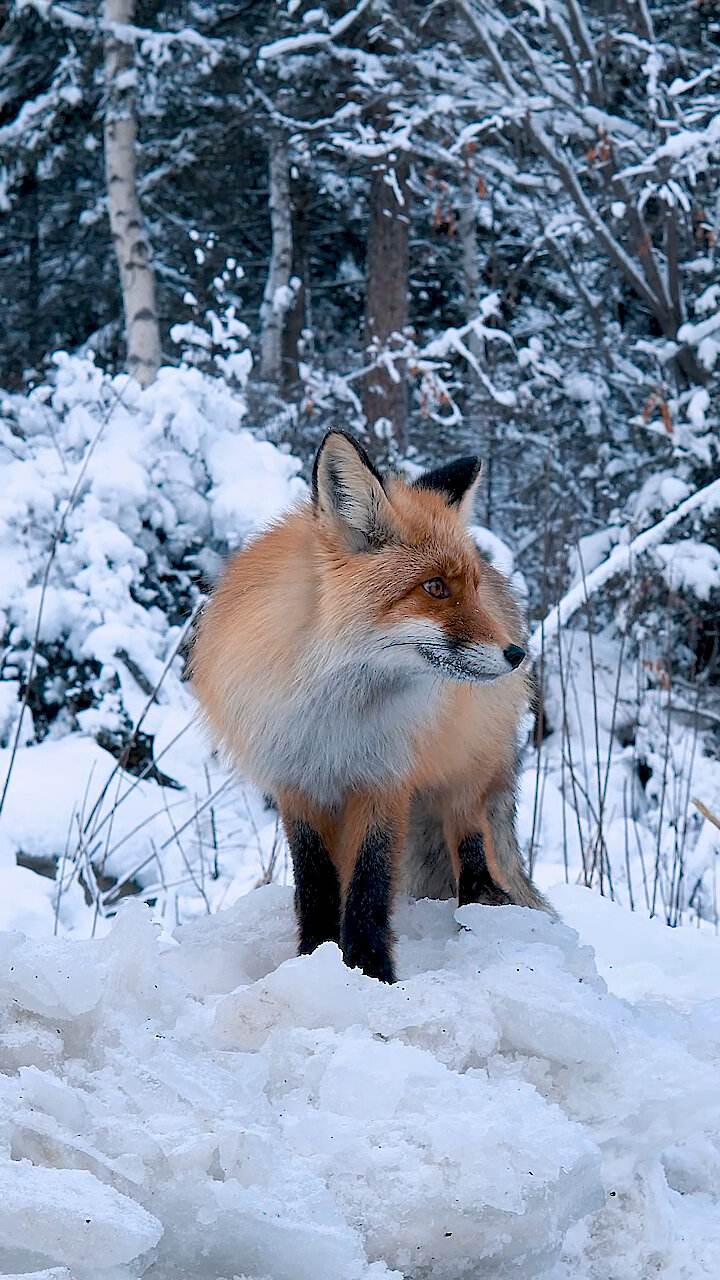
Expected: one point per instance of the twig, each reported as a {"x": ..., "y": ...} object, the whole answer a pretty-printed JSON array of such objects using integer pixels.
[{"x": 706, "y": 813}]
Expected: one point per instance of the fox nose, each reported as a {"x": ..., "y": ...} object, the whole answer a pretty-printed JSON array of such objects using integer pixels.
[{"x": 514, "y": 655}]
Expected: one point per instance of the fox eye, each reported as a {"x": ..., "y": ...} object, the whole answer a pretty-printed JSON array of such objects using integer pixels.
[{"x": 437, "y": 588}]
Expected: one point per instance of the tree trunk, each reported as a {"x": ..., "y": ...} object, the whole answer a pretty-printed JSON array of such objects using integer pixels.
[
  {"x": 386, "y": 299},
  {"x": 279, "y": 294},
  {"x": 137, "y": 277},
  {"x": 467, "y": 228},
  {"x": 297, "y": 316},
  {"x": 33, "y": 310},
  {"x": 481, "y": 422}
]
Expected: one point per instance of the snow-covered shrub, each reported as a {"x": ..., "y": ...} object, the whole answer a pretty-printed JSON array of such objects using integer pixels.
[
  {"x": 134, "y": 494},
  {"x": 116, "y": 507},
  {"x": 607, "y": 796}
]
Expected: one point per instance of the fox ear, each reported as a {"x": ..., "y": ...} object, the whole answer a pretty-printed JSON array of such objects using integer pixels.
[
  {"x": 457, "y": 482},
  {"x": 347, "y": 489}
]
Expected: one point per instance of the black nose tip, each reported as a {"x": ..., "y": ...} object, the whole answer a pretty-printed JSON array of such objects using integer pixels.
[{"x": 514, "y": 654}]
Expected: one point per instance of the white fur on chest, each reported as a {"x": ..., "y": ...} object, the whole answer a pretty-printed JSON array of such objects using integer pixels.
[{"x": 349, "y": 727}]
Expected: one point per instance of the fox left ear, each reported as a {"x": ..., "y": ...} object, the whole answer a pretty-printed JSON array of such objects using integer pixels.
[
  {"x": 457, "y": 482},
  {"x": 348, "y": 491}
]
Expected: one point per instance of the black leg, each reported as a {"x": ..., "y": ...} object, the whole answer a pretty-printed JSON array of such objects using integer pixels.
[
  {"x": 476, "y": 884},
  {"x": 317, "y": 888},
  {"x": 366, "y": 936}
]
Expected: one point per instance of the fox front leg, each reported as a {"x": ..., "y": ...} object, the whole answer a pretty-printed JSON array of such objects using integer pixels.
[
  {"x": 317, "y": 886},
  {"x": 370, "y": 845},
  {"x": 477, "y": 874},
  {"x": 486, "y": 859},
  {"x": 474, "y": 878}
]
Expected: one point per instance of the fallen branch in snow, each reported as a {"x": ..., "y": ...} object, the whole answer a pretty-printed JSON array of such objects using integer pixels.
[{"x": 619, "y": 561}]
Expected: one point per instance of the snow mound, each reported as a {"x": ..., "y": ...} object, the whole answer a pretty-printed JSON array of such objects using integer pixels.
[{"x": 214, "y": 1106}]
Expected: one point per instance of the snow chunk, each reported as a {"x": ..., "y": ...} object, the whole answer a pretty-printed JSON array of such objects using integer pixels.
[
  {"x": 68, "y": 1216},
  {"x": 54, "y": 979}
]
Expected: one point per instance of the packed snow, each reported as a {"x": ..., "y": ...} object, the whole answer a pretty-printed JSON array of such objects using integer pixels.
[{"x": 210, "y": 1105}]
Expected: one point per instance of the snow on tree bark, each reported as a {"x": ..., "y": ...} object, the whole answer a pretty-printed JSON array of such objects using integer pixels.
[
  {"x": 386, "y": 299},
  {"x": 278, "y": 295},
  {"x": 129, "y": 234}
]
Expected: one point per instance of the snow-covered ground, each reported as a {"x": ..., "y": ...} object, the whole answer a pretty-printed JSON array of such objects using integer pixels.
[{"x": 211, "y": 1106}]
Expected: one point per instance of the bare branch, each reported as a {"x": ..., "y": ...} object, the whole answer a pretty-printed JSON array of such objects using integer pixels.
[{"x": 585, "y": 43}]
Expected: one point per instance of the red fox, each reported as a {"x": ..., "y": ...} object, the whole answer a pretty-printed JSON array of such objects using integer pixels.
[{"x": 364, "y": 665}]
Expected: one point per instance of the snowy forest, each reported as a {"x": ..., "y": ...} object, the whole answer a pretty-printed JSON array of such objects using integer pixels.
[{"x": 449, "y": 227}]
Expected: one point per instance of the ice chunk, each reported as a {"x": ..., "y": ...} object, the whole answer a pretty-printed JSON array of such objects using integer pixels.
[
  {"x": 53, "y": 978},
  {"x": 51, "y": 1273},
  {"x": 70, "y": 1217},
  {"x": 237, "y": 946}
]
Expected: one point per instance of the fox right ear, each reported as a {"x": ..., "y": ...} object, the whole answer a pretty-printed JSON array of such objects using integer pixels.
[
  {"x": 348, "y": 490},
  {"x": 457, "y": 482}
]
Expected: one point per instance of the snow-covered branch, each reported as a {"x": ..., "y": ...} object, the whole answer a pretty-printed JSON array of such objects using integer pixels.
[
  {"x": 123, "y": 32},
  {"x": 312, "y": 39},
  {"x": 33, "y": 115},
  {"x": 620, "y": 561}
]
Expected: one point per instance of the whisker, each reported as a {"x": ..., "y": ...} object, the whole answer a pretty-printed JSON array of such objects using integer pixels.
[{"x": 427, "y": 644}]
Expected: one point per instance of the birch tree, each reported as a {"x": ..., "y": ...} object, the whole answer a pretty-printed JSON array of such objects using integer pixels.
[
  {"x": 129, "y": 234},
  {"x": 279, "y": 290}
]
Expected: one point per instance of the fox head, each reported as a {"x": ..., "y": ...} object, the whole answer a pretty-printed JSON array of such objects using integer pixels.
[{"x": 402, "y": 584}]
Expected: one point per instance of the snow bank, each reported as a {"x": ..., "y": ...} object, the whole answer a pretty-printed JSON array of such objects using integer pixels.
[{"x": 214, "y": 1106}]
